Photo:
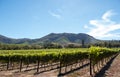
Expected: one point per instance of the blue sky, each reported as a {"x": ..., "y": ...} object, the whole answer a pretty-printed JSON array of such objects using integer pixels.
[{"x": 37, "y": 18}]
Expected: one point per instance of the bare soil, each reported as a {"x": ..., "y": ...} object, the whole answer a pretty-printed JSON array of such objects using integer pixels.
[{"x": 114, "y": 70}]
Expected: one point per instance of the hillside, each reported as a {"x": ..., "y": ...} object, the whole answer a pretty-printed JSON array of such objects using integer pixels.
[
  {"x": 7, "y": 40},
  {"x": 60, "y": 38},
  {"x": 66, "y": 38}
]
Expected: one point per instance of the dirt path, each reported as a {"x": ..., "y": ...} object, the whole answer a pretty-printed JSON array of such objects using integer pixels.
[{"x": 114, "y": 70}]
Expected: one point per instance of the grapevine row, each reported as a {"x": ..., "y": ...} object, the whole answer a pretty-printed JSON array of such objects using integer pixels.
[{"x": 99, "y": 56}]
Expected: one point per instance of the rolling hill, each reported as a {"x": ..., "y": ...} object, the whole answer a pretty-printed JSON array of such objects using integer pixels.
[{"x": 60, "y": 38}]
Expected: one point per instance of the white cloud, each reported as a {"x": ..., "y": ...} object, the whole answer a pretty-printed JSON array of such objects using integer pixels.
[
  {"x": 104, "y": 27},
  {"x": 86, "y": 26},
  {"x": 55, "y": 14},
  {"x": 107, "y": 15}
]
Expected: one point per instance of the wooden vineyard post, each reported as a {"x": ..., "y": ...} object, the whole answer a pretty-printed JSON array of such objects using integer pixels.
[
  {"x": 8, "y": 63},
  {"x": 60, "y": 69},
  {"x": 38, "y": 65},
  {"x": 90, "y": 66},
  {"x": 20, "y": 64}
]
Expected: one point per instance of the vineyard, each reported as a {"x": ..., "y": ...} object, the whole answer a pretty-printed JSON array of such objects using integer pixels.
[{"x": 65, "y": 60}]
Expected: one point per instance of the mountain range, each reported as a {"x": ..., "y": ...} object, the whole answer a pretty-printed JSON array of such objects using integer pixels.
[{"x": 60, "y": 38}]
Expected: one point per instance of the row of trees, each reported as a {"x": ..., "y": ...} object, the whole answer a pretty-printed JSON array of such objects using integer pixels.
[
  {"x": 44, "y": 46},
  {"x": 18, "y": 46},
  {"x": 109, "y": 44}
]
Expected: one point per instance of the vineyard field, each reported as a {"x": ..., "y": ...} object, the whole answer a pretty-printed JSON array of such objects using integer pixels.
[{"x": 64, "y": 60}]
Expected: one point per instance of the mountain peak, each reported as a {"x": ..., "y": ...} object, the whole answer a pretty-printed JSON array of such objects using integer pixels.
[
  {"x": 60, "y": 38},
  {"x": 66, "y": 38}
]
